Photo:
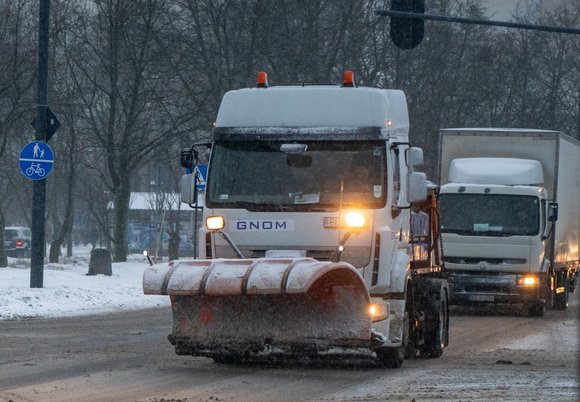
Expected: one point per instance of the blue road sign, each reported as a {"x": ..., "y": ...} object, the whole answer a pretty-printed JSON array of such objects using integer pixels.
[
  {"x": 202, "y": 169},
  {"x": 36, "y": 160}
]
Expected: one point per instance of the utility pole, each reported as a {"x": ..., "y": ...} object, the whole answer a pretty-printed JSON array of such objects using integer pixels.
[{"x": 41, "y": 126}]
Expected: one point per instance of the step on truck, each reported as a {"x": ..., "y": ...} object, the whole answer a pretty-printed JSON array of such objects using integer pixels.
[
  {"x": 510, "y": 216},
  {"x": 321, "y": 239}
]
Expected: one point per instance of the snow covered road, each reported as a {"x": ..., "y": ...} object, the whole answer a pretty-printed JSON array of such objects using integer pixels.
[
  {"x": 52, "y": 350},
  {"x": 494, "y": 356}
]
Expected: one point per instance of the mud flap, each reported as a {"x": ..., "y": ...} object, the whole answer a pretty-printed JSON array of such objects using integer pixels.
[{"x": 263, "y": 306}]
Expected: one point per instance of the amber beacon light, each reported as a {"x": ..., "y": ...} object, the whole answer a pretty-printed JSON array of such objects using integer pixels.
[
  {"x": 348, "y": 79},
  {"x": 262, "y": 79}
]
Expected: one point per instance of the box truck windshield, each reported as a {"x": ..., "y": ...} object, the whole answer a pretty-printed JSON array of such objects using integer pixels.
[
  {"x": 305, "y": 175},
  {"x": 490, "y": 215}
]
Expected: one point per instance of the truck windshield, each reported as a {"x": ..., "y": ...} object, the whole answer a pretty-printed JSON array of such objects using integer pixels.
[
  {"x": 489, "y": 215},
  {"x": 306, "y": 176}
]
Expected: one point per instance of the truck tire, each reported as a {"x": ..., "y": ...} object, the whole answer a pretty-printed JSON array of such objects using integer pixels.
[
  {"x": 436, "y": 325},
  {"x": 226, "y": 359},
  {"x": 561, "y": 299},
  {"x": 394, "y": 357},
  {"x": 536, "y": 309},
  {"x": 391, "y": 357}
]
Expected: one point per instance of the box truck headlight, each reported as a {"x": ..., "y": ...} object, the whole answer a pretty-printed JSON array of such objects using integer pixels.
[
  {"x": 528, "y": 280},
  {"x": 378, "y": 309},
  {"x": 355, "y": 220},
  {"x": 215, "y": 222}
]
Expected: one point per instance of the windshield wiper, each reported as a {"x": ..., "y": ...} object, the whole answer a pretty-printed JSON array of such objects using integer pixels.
[
  {"x": 265, "y": 206},
  {"x": 275, "y": 207},
  {"x": 493, "y": 233},
  {"x": 457, "y": 231}
]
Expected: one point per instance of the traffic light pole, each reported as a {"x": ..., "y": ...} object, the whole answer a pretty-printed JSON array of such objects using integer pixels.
[
  {"x": 41, "y": 127},
  {"x": 545, "y": 28}
]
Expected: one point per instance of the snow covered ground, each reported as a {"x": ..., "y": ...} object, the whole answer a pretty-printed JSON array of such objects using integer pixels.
[{"x": 68, "y": 290}]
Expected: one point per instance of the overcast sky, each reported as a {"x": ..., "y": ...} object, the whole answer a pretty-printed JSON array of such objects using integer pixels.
[{"x": 502, "y": 10}]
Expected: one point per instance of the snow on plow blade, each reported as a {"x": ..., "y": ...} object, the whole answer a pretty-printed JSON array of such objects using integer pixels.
[{"x": 257, "y": 307}]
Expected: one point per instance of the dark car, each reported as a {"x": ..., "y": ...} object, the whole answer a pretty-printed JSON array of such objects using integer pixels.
[{"x": 17, "y": 241}]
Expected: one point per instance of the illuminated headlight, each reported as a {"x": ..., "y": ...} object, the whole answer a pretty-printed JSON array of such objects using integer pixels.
[
  {"x": 355, "y": 220},
  {"x": 215, "y": 222},
  {"x": 378, "y": 309},
  {"x": 528, "y": 280}
]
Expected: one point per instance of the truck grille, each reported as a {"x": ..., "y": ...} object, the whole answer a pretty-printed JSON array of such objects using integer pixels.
[
  {"x": 490, "y": 261},
  {"x": 320, "y": 255}
]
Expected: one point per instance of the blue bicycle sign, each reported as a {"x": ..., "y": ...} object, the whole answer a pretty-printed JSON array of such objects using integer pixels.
[
  {"x": 36, "y": 160},
  {"x": 35, "y": 169}
]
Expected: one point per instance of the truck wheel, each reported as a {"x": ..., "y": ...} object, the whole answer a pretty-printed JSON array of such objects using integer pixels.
[
  {"x": 436, "y": 325},
  {"x": 394, "y": 357},
  {"x": 391, "y": 357},
  {"x": 225, "y": 359},
  {"x": 561, "y": 299},
  {"x": 536, "y": 309}
]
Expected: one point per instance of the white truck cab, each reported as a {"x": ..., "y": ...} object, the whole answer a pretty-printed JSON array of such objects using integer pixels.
[
  {"x": 510, "y": 218},
  {"x": 308, "y": 243}
]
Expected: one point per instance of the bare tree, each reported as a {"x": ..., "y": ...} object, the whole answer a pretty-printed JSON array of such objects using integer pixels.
[
  {"x": 129, "y": 102},
  {"x": 16, "y": 80}
]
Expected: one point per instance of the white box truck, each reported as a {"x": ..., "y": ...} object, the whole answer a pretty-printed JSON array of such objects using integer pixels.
[
  {"x": 510, "y": 215},
  {"x": 308, "y": 247}
]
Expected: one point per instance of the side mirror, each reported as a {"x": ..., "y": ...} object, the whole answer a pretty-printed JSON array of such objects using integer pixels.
[
  {"x": 416, "y": 187},
  {"x": 414, "y": 157},
  {"x": 188, "y": 189},
  {"x": 188, "y": 158},
  {"x": 552, "y": 212}
]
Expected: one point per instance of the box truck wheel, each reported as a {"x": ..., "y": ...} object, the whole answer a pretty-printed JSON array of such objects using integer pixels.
[
  {"x": 436, "y": 325},
  {"x": 536, "y": 309},
  {"x": 561, "y": 299},
  {"x": 226, "y": 359}
]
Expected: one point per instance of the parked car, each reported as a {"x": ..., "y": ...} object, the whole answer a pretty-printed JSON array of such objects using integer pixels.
[{"x": 17, "y": 241}]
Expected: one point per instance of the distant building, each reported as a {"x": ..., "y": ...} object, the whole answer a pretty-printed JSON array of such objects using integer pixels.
[{"x": 150, "y": 214}]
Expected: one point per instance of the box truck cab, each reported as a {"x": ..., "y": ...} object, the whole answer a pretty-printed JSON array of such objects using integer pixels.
[{"x": 510, "y": 217}]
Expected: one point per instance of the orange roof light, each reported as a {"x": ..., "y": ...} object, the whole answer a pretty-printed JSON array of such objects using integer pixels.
[
  {"x": 262, "y": 80},
  {"x": 348, "y": 79}
]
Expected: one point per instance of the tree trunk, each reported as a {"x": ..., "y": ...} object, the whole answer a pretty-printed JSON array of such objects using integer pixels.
[
  {"x": 121, "y": 213},
  {"x": 54, "y": 251},
  {"x": 3, "y": 256},
  {"x": 173, "y": 247},
  {"x": 69, "y": 245},
  {"x": 67, "y": 224}
]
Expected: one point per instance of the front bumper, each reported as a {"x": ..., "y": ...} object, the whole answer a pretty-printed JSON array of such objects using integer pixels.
[{"x": 467, "y": 288}]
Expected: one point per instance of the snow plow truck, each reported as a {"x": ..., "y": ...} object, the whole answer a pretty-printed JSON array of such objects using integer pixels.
[{"x": 321, "y": 239}]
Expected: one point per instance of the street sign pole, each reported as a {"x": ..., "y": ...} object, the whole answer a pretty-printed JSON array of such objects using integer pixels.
[{"x": 39, "y": 186}]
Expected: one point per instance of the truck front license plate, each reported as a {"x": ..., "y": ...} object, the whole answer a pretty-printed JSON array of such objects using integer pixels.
[
  {"x": 331, "y": 222},
  {"x": 481, "y": 298}
]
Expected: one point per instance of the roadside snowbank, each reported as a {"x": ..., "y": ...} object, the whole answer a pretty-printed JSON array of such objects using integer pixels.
[{"x": 68, "y": 290}]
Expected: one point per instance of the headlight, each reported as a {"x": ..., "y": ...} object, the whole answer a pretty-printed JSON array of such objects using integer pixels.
[
  {"x": 355, "y": 220},
  {"x": 215, "y": 222},
  {"x": 528, "y": 280},
  {"x": 378, "y": 309}
]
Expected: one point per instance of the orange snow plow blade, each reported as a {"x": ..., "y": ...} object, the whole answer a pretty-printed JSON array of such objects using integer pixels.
[{"x": 250, "y": 308}]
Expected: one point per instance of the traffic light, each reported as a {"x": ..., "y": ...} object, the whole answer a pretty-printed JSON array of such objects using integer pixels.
[{"x": 406, "y": 32}]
